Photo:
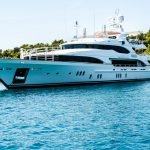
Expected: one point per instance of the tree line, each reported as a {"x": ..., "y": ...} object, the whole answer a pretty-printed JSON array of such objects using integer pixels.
[
  {"x": 15, "y": 53},
  {"x": 145, "y": 37}
]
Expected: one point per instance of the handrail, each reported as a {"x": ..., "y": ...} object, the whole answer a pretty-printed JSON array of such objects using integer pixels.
[{"x": 35, "y": 51}]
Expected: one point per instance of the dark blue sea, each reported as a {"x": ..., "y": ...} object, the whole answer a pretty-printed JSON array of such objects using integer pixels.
[{"x": 92, "y": 117}]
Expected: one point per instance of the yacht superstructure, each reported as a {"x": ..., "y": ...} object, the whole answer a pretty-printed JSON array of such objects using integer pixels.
[{"x": 83, "y": 60}]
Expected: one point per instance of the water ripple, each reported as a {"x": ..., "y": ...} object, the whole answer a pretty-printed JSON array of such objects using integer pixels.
[{"x": 107, "y": 117}]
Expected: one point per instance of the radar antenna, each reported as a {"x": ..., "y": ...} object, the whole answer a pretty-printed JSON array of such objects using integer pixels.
[{"x": 116, "y": 21}]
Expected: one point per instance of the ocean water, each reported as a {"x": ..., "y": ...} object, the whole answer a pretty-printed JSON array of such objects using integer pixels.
[{"x": 92, "y": 117}]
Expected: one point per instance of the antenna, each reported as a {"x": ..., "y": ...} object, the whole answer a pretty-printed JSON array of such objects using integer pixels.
[
  {"x": 84, "y": 32},
  {"x": 116, "y": 21},
  {"x": 76, "y": 27},
  {"x": 94, "y": 25},
  {"x": 117, "y": 12},
  {"x": 105, "y": 30}
]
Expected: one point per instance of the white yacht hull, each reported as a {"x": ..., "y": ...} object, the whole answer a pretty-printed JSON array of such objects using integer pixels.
[{"x": 29, "y": 73}]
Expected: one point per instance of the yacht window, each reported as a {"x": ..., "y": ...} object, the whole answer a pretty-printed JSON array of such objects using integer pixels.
[
  {"x": 67, "y": 58},
  {"x": 80, "y": 73},
  {"x": 100, "y": 76},
  {"x": 128, "y": 63},
  {"x": 118, "y": 49},
  {"x": 77, "y": 73},
  {"x": 90, "y": 76},
  {"x": 83, "y": 73}
]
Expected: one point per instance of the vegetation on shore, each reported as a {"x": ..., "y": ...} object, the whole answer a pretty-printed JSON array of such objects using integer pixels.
[
  {"x": 15, "y": 53},
  {"x": 146, "y": 40}
]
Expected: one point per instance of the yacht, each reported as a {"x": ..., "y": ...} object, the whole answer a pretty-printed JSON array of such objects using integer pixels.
[{"x": 80, "y": 61}]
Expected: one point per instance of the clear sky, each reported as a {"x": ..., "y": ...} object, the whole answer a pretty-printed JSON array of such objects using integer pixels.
[{"x": 42, "y": 21}]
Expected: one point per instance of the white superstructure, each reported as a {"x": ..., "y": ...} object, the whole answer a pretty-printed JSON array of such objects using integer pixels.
[{"x": 83, "y": 60}]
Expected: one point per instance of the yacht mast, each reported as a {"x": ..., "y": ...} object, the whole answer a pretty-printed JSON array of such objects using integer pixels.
[{"x": 76, "y": 28}]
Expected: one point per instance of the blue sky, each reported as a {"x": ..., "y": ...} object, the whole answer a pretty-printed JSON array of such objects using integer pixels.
[{"x": 36, "y": 21}]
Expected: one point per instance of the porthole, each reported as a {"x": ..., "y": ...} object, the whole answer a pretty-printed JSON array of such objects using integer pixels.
[
  {"x": 90, "y": 76},
  {"x": 118, "y": 75},
  {"x": 69, "y": 72},
  {"x": 83, "y": 73},
  {"x": 57, "y": 73},
  {"x": 100, "y": 76},
  {"x": 80, "y": 73},
  {"x": 77, "y": 73}
]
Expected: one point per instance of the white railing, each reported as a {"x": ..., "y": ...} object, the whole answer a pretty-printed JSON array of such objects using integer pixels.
[{"x": 37, "y": 51}]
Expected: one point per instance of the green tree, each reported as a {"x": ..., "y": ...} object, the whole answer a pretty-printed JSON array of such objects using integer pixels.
[
  {"x": 147, "y": 51},
  {"x": 56, "y": 43},
  {"x": 147, "y": 38}
]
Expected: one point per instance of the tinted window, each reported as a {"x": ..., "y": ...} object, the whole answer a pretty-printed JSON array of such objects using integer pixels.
[
  {"x": 118, "y": 49},
  {"x": 136, "y": 63},
  {"x": 66, "y": 58}
]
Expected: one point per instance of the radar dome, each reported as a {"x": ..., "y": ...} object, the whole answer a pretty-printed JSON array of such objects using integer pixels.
[{"x": 120, "y": 19}]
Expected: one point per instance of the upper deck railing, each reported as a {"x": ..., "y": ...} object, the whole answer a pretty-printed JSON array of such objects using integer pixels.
[{"x": 37, "y": 51}]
